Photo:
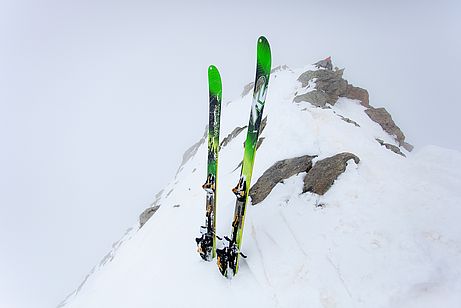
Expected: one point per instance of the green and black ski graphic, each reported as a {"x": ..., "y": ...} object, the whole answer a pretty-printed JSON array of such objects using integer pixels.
[
  {"x": 228, "y": 257},
  {"x": 206, "y": 243}
]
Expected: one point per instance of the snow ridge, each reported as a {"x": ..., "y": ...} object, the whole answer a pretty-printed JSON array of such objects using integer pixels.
[{"x": 385, "y": 235}]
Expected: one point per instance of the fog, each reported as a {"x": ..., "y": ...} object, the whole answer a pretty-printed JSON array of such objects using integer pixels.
[{"x": 99, "y": 99}]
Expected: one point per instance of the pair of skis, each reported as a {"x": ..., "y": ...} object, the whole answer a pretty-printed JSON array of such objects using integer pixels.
[{"x": 228, "y": 256}]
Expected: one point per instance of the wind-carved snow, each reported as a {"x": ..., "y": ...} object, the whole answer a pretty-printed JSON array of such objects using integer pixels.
[{"x": 385, "y": 235}]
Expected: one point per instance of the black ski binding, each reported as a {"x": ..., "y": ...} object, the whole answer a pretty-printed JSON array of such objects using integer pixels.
[
  {"x": 205, "y": 244},
  {"x": 227, "y": 258}
]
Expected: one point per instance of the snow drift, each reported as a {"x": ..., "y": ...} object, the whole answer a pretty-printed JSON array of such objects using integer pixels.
[{"x": 386, "y": 234}]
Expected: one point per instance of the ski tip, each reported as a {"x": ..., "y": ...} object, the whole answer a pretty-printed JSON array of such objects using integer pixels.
[
  {"x": 214, "y": 80},
  {"x": 264, "y": 55}
]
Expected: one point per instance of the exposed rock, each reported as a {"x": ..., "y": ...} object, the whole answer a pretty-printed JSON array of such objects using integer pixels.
[
  {"x": 260, "y": 141},
  {"x": 157, "y": 197},
  {"x": 384, "y": 119},
  {"x": 276, "y": 173},
  {"x": 332, "y": 83},
  {"x": 348, "y": 120},
  {"x": 279, "y": 68},
  {"x": 263, "y": 124},
  {"x": 391, "y": 147},
  {"x": 247, "y": 88},
  {"x": 325, "y": 63},
  {"x": 324, "y": 172},
  {"x": 190, "y": 152},
  {"x": 231, "y": 136},
  {"x": 307, "y": 76},
  {"x": 316, "y": 98},
  {"x": 358, "y": 94},
  {"x": 168, "y": 193},
  {"x": 407, "y": 146},
  {"x": 329, "y": 85},
  {"x": 147, "y": 214}
]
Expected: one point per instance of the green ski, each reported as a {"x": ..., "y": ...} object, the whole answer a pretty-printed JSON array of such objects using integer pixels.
[
  {"x": 228, "y": 256},
  {"x": 206, "y": 243}
]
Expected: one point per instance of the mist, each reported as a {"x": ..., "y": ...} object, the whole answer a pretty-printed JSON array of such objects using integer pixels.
[{"x": 99, "y": 100}]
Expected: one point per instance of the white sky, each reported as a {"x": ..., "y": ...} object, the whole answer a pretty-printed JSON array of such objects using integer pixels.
[{"x": 99, "y": 99}]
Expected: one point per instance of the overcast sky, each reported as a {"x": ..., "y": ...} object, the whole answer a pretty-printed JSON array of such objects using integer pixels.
[{"x": 99, "y": 99}]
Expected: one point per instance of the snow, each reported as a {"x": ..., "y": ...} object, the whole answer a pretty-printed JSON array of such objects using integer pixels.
[{"x": 385, "y": 235}]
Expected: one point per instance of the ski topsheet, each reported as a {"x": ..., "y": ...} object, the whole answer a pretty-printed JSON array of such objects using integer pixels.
[
  {"x": 228, "y": 257},
  {"x": 206, "y": 243}
]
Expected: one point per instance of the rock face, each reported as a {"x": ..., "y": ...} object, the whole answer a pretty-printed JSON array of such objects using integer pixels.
[
  {"x": 231, "y": 136},
  {"x": 358, "y": 94},
  {"x": 324, "y": 172},
  {"x": 407, "y": 146},
  {"x": 190, "y": 152},
  {"x": 144, "y": 217},
  {"x": 247, "y": 88},
  {"x": 384, "y": 119},
  {"x": 330, "y": 85},
  {"x": 281, "y": 170},
  {"x": 348, "y": 120},
  {"x": 391, "y": 147},
  {"x": 316, "y": 98},
  {"x": 279, "y": 68}
]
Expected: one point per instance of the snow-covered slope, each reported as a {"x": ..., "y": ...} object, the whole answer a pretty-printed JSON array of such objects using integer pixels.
[{"x": 387, "y": 234}]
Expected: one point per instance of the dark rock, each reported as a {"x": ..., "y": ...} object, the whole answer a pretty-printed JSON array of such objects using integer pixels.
[
  {"x": 316, "y": 98},
  {"x": 384, "y": 119},
  {"x": 260, "y": 141},
  {"x": 190, "y": 152},
  {"x": 263, "y": 124},
  {"x": 157, "y": 197},
  {"x": 407, "y": 146},
  {"x": 247, "y": 88},
  {"x": 147, "y": 214},
  {"x": 348, "y": 120},
  {"x": 329, "y": 85},
  {"x": 231, "y": 136},
  {"x": 279, "y": 68},
  {"x": 307, "y": 76},
  {"x": 358, "y": 94},
  {"x": 332, "y": 83},
  {"x": 276, "y": 173},
  {"x": 325, "y": 63},
  {"x": 324, "y": 172},
  {"x": 391, "y": 147}
]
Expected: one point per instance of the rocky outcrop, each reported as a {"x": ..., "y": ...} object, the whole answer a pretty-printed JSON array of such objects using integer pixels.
[
  {"x": 247, "y": 88},
  {"x": 279, "y": 68},
  {"x": 358, "y": 94},
  {"x": 231, "y": 136},
  {"x": 147, "y": 214},
  {"x": 384, "y": 119},
  {"x": 391, "y": 147},
  {"x": 316, "y": 98},
  {"x": 329, "y": 86},
  {"x": 278, "y": 172},
  {"x": 407, "y": 146},
  {"x": 190, "y": 152},
  {"x": 260, "y": 141},
  {"x": 324, "y": 172},
  {"x": 348, "y": 120}
]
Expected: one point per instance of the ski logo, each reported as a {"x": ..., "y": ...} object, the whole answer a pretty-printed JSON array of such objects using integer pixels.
[{"x": 259, "y": 98}]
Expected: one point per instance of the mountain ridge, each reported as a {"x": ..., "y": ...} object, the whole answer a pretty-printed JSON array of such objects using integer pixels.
[{"x": 381, "y": 235}]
